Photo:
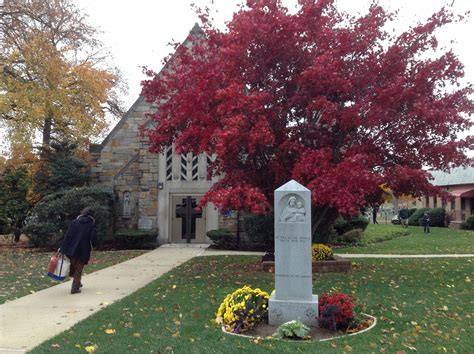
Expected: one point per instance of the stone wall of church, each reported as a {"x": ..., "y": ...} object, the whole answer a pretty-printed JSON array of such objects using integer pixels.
[
  {"x": 148, "y": 181},
  {"x": 127, "y": 192},
  {"x": 122, "y": 162}
]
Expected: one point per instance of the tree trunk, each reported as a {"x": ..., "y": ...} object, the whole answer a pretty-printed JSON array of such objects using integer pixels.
[
  {"x": 48, "y": 122},
  {"x": 322, "y": 221},
  {"x": 17, "y": 234}
]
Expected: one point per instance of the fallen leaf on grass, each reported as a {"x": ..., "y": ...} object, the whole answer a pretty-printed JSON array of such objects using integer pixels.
[
  {"x": 110, "y": 331},
  {"x": 90, "y": 348}
]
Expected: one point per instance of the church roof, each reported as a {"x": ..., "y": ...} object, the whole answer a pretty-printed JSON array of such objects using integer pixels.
[
  {"x": 195, "y": 31},
  {"x": 457, "y": 176}
]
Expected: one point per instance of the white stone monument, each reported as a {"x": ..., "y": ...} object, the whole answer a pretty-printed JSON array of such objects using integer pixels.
[{"x": 293, "y": 298}]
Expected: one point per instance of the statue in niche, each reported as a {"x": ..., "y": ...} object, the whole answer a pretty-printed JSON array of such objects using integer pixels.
[
  {"x": 126, "y": 204},
  {"x": 294, "y": 211}
]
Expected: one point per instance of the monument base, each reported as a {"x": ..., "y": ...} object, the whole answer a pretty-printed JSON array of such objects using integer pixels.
[{"x": 281, "y": 311}]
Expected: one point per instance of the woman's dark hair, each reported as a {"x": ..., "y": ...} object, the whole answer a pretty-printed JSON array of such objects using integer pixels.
[{"x": 88, "y": 211}]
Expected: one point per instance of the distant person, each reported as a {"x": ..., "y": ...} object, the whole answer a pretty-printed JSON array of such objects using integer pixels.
[
  {"x": 404, "y": 215},
  {"x": 374, "y": 214},
  {"x": 77, "y": 245},
  {"x": 426, "y": 223}
]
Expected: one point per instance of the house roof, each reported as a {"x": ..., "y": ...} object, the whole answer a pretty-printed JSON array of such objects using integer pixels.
[{"x": 457, "y": 176}]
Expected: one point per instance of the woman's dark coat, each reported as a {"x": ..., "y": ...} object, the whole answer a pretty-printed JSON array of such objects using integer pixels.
[{"x": 78, "y": 239}]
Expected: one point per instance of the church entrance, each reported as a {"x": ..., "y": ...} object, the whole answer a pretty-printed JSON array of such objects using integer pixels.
[{"x": 188, "y": 225}]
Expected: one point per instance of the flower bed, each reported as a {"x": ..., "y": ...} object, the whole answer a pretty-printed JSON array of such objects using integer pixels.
[
  {"x": 338, "y": 317},
  {"x": 336, "y": 265}
]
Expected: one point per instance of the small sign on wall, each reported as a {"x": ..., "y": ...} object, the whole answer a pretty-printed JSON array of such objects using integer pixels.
[{"x": 145, "y": 224}]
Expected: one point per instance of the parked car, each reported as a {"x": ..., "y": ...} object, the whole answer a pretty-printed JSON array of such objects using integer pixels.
[{"x": 396, "y": 220}]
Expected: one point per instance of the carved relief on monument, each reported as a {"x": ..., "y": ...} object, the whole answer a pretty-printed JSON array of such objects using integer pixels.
[{"x": 294, "y": 210}]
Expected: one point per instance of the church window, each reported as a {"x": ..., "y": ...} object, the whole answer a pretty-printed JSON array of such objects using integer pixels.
[
  {"x": 195, "y": 166},
  {"x": 169, "y": 162},
  {"x": 184, "y": 167}
]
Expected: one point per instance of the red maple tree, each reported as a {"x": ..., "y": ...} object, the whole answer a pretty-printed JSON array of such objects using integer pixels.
[{"x": 330, "y": 100}]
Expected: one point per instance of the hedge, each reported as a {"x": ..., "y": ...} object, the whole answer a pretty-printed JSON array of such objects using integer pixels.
[
  {"x": 260, "y": 229},
  {"x": 468, "y": 224},
  {"x": 222, "y": 239},
  {"x": 135, "y": 239},
  {"x": 49, "y": 220},
  {"x": 343, "y": 225},
  {"x": 437, "y": 217}
]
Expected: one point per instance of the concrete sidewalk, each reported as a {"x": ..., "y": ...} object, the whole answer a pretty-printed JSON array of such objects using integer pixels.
[{"x": 30, "y": 320}]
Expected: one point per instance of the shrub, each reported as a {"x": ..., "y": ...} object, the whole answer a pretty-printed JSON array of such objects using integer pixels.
[
  {"x": 411, "y": 211},
  {"x": 14, "y": 200},
  {"x": 335, "y": 310},
  {"x": 321, "y": 252},
  {"x": 243, "y": 309},
  {"x": 468, "y": 224},
  {"x": 437, "y": 217},
  {"x": 343, "y": 225},
  {"x": 135, "y": 239},
  {"x": 416, "y": 216},
  {"x": 352, "y": 237},
  {"x": 293, "y": 330},
  {"x": 260, "y": 230},
  {"x": 43, "y": 234},
  {"x": 222, "y": 239},
  {"x": 49, "y": 219}
]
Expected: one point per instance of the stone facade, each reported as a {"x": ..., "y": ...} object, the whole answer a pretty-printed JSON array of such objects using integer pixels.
[
  {"x": 153, "y": 190},
  {"x": 121, "y": 163},
  {"x": 150, "y": 188}
]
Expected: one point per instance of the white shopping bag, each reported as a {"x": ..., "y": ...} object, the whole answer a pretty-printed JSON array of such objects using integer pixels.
[{"x": 62, "y": 268}]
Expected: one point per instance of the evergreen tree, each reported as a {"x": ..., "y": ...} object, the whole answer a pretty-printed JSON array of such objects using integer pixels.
[
  {"x": 15, "y": 184},
  {"x": 60, "y": 169}
]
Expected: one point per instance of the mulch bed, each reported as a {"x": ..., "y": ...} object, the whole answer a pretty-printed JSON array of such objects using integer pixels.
[{"x": 264, "y": 330}]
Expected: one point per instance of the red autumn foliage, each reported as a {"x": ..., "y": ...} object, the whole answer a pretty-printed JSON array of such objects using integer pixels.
[
  {"x": 344, "y": 306},
  {"x": 330, "y": 100}
]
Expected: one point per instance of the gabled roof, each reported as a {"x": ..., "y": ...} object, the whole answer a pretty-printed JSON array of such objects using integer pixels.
[
  {"x": 195, "y": 31},
  {"x": 122, "y": 121},
  {"x": 457, "y": 176}
]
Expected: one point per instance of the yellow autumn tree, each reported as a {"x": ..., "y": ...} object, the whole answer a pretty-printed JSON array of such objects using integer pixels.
[{"x": 55, "y": 78}]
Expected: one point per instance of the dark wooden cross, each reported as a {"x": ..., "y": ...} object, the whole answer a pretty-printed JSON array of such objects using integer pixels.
[{"x": 188, "y": 214}]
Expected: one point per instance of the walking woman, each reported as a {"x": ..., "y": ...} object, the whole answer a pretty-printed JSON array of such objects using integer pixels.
[{"x": 77, "y": 245}]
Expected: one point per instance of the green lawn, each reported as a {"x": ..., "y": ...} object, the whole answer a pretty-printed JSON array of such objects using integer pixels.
[
  {"x": 439, "y": 241},
  {"x": 23, "y": 270},
  {"x": 421, "y": 304}
]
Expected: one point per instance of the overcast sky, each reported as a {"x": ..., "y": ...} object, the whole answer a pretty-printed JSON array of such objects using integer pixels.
[{"x": 137, "y": 32}]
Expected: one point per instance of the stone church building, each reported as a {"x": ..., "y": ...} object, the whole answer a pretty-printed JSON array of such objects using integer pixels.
[{"x": 154, "y": 191}]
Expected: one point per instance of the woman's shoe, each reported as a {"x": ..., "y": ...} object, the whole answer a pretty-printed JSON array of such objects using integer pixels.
[{"x": 75, "y": 288}]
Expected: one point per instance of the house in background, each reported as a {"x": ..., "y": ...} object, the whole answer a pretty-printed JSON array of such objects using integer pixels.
[{"x": 459, "y": 182}]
